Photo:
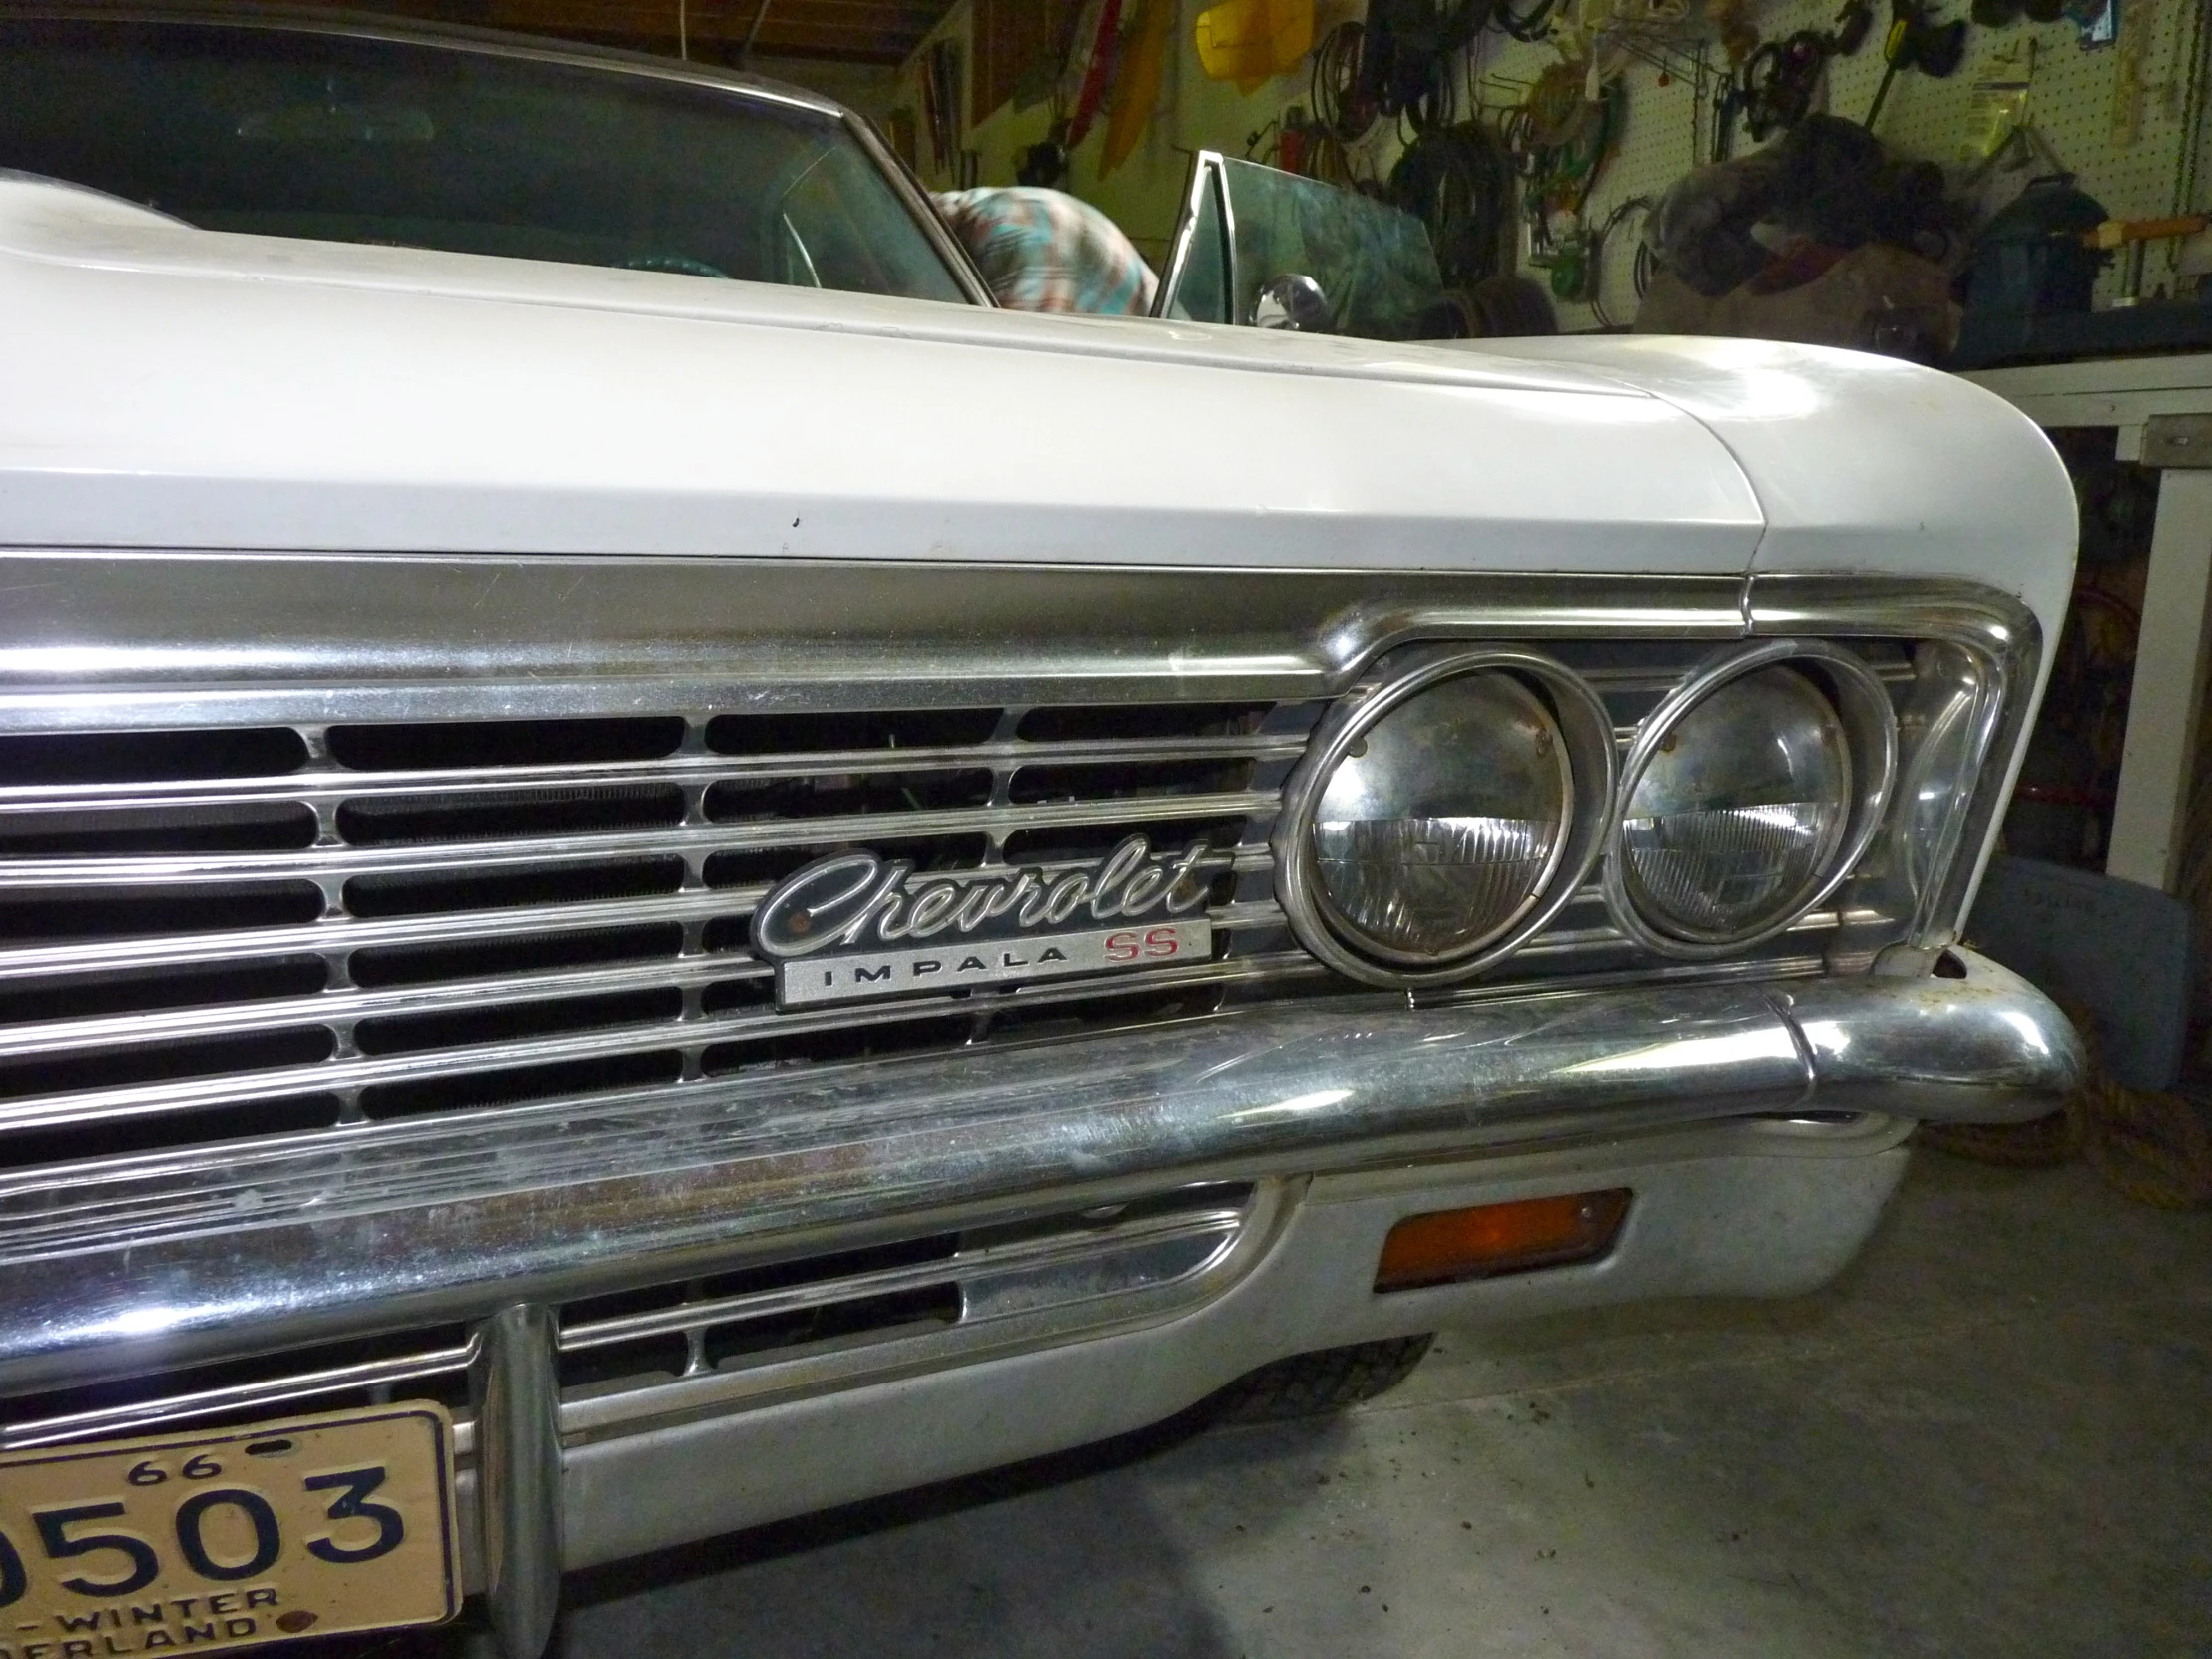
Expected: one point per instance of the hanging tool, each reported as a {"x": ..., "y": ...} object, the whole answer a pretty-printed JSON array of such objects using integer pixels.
[
  {"x": 1780, "y": 79},
  {"x": 1915, "y": 41},
  {"x": 2113, "y": 233},
  {"x": 1089, "y": 71}
]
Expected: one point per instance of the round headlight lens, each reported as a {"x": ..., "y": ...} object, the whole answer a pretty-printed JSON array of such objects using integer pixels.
[
  {"x": 1442, "y": 825},
  {"x": 1733, "y": 819}
]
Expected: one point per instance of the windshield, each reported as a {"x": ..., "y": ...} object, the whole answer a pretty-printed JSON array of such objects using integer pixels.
[{"x": 345, "y": 138}]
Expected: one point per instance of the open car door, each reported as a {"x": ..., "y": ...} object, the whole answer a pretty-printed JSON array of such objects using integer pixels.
[{"x": 1246, "y": 230}]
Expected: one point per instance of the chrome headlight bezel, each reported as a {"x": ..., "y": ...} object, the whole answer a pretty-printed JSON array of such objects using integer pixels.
[
  {"x": 1861, "y": 705},
  {"x": 1591, "y": 765}
]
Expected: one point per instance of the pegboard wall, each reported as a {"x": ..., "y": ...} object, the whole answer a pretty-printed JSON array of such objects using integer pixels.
[
  {"x": 2125, "y": 118},
  {"x": 2121, "y": 117}
]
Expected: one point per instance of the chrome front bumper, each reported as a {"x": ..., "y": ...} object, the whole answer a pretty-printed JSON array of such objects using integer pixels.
[
  {"x": 1347, "y": 1112},
  {"x": 206, "y": 1255}
]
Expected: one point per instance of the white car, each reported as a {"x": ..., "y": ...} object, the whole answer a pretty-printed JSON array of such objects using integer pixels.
[{"x": 657, "y": 871}]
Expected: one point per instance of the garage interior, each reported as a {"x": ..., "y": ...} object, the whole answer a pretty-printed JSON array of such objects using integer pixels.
[
  {"x": 1984, "y": 1440},
  {"x": 1988, "y": 1435}
]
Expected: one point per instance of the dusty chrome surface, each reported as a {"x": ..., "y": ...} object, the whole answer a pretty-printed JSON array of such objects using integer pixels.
[
  {"x": 993, "y": 1278},
  {"x": 407, "y": 1223},
  {"x": 1585, "y": 766},
  {"x": 1018, "y": 1288},
  {"x": 1744, "y": 1209},
  {"x": 722, "y": 1342},
  {"x": 301, "y": 1386},
  {"x": 512, "y": 1216},
  {"x": 388, "y": 983},
  {"x": 516, "y": 1399},
  {"x": 801, "y": 1324},
  {"x": 1867, "y": 725},
  {"x": 331, "y": 951},
  {"x": 125, "y": 639}
]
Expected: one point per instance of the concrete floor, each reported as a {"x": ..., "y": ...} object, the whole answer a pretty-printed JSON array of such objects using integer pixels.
[{"x": 1991, "y": 1438}]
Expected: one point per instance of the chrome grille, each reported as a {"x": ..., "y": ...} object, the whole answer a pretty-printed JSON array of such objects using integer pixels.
[
  {"x": 970, "y": 1278},
  {"x": 635, "y": 1354},
  {"x": 228, "y": 931},
  {"x": 428, "y": 1364},
  {"x": 236, "y": 930}
]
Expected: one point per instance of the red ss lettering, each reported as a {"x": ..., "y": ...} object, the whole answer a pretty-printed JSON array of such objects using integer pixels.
[
  {"x": 1161, "y": 941},
  {"x": 1121, "y": 947}
]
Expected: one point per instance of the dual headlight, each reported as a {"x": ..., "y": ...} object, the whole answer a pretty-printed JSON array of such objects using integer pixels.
[{"x": 1445, "y": 815}]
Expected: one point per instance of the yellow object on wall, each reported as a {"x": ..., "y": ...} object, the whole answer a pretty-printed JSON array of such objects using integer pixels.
[
  {"x": 1247, "y": 41},
  {"x": 1137, "y": 82}
]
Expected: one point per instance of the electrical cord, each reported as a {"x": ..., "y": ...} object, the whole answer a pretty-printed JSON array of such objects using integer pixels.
[
  {"x": 1529, "y": 25},
  {"x": 1598, "y": 238},
  {"x": 1457, "y": 181},
  {"x": 1408, "y": 50},
  {"x": 1558, "y": 141},
  {"x": 1340, "y": 100}
]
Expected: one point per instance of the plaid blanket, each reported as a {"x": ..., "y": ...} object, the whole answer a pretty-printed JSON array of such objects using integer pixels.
[{"x": 1046, "y": 251}]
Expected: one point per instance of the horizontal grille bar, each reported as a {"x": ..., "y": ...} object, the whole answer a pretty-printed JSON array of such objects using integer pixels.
[
  {"x": 697, "y": 841},
  {"x": 141, "y": 1417},
  {"x": 1047, "y": 1251},
  {"x": 343, "y": 1010},
  {"x": 686, "y": 1035},
  {"x": 344, "y": 933},
  {"x": 331, "y": 787}
]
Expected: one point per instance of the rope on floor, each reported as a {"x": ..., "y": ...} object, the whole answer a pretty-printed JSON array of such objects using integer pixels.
[{"x": 2149, "y": 1145}]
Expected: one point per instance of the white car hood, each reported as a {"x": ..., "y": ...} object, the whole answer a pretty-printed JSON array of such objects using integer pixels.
[
  {"x": 169, "y": 388},
  {"x": 1862, "y": 465}
]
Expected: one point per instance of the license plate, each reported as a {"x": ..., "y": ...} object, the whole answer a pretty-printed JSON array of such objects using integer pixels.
[{"x": 316, "y": 1525}]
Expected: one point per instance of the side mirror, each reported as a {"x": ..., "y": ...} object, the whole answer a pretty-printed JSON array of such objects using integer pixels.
[{"x": 1292, "y": 302}]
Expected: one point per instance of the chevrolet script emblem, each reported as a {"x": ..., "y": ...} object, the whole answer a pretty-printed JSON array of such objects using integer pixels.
[{"x": 854, "y": 925}]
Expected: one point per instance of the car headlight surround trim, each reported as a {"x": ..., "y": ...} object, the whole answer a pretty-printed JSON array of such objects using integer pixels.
[
  {"x": 1866, "y": 722},
  {"x": 1588, "y": 760}
]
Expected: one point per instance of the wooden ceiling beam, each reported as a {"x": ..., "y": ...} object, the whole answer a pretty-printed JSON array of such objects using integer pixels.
[
  {"x": 847, "y": 30},
  {"x": 877, "y": 29}
]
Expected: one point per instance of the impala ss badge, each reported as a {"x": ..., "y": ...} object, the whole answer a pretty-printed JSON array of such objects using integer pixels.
[{"x": 854, "y": 925}]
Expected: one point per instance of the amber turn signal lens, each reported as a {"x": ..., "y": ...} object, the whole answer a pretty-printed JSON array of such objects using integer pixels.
[{"x": 1494, "y": 1239}]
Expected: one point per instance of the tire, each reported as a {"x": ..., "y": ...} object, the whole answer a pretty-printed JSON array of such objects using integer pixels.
[{"x": 1315, "y": 1384}]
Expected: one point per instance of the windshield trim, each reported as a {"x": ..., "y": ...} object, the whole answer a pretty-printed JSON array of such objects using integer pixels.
[{"x": 280, "y": 19}]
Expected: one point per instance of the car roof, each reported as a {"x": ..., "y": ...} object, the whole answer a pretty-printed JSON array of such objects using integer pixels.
[{"x": 367, "y": 25}]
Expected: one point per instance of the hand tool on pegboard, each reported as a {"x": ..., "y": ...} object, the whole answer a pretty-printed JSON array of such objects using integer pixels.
[
  {"x": 1780, "y": 78},
  {"x": 1915, "y": 41}
]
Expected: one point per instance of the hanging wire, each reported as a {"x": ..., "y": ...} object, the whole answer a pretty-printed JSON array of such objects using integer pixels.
[
  {"x": 1598, "y": 240},
  {"x": 1340, "y": 100},
  {"x": 1529, "y": 25},
  {"x": 1459, "y": 181}
]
